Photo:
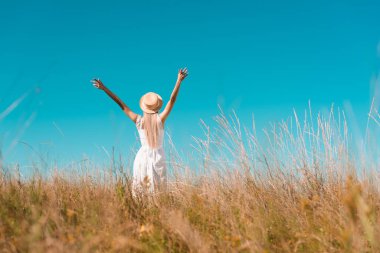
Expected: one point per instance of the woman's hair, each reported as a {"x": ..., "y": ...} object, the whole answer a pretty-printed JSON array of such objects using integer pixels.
[{"x": 151, "y": 125}]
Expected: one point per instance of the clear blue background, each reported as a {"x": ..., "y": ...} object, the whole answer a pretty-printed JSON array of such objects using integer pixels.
[{"x": 261, "y": 57}]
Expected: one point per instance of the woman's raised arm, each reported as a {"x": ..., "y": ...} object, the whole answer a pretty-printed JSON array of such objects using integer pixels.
[
  {"x": 99, "y": 84},
  {"x": 182, "y": 73}
]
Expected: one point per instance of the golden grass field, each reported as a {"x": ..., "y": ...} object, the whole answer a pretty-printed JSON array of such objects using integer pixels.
[{"x": 303, "y": 189}]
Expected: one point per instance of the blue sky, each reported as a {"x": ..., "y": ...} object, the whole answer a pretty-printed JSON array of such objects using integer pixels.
[{"x": 261, "y": 57}]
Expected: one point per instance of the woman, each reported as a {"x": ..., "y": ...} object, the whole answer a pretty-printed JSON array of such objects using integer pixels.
[{"x": 149, "y": 168}]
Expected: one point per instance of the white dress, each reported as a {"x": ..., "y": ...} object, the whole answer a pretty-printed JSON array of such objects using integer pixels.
[{"x": 149, "y": 166}]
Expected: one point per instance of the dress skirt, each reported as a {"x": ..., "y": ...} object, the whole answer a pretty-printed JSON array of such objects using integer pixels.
[{"x": 149, "y": 169}]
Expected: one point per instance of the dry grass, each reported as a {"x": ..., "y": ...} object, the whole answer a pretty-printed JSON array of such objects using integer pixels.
[{"x": 302, "y": 189}]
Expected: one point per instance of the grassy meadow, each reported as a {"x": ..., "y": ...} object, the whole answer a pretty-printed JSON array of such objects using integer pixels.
[{"x": 306, "y": 187}]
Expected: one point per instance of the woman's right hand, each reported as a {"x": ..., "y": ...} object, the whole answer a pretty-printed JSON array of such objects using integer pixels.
[
  {"x": 98, "y": 84},
  {"x": 182, "y": 74}
]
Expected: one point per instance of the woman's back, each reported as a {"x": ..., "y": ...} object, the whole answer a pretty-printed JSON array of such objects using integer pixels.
[{"x": 143, "y": 136}]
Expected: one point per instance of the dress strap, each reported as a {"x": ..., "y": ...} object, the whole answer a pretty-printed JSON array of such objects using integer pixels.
[
  {"x": 138, "y": 121},
  {"x": 159, "y": 120}
]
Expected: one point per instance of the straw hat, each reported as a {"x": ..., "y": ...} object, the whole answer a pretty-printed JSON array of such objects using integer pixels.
[{"x": 151, "y": 102}]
